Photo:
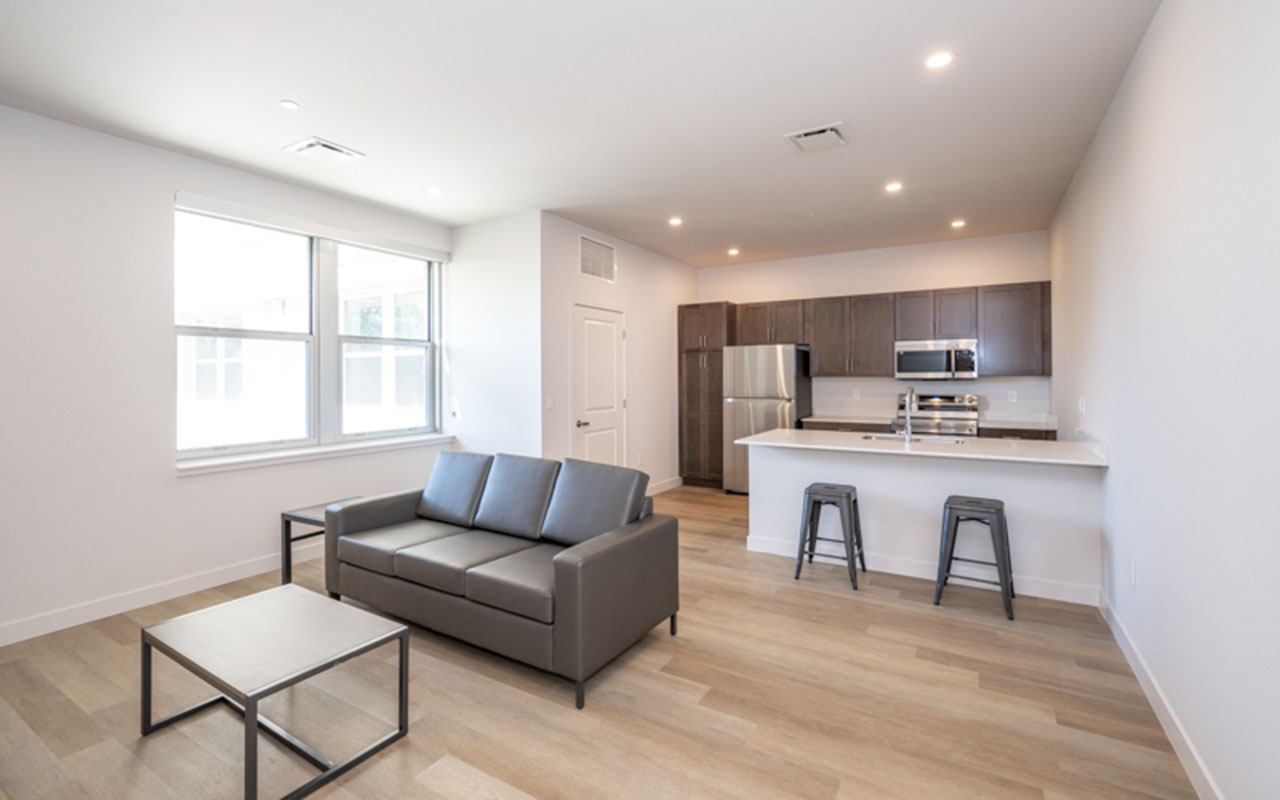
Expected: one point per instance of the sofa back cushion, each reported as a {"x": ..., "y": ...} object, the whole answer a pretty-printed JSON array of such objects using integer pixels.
[
  {"x": 516, "y": 495},
  {"x": 591, "y": 499},
  {"x": 453, "y": 490}
]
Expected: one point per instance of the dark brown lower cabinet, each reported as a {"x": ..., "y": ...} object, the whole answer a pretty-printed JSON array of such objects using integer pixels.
[
  {"x": 850, "y": 427},
  {"x": 702, "y": 417},
  {"x": 1015, "y": 433}
]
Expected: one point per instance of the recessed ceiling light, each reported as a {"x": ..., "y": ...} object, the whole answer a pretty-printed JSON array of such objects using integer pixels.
[
  {"x": 675, "y": 222},
  {"x": 895, "y": 186},
  {"x": 733, "y": 251},
  {"x": 290, "y": 105},
  {"x": 435, "y": 191},
  {"x": 939, "y": 60},
  {"x": 957, "y": 223}
]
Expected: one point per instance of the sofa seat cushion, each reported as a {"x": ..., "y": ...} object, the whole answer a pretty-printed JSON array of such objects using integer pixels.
[
  {"x": 443, "y": 564},
  {"x": 375, "y": 549},
  {"x": 591, "y": 499},
  {"x": 516, "y": 494},
  {"x": 521, "y": 583}
]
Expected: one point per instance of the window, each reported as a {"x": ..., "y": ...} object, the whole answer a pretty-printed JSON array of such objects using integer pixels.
[{"x": 257, "y": 367}]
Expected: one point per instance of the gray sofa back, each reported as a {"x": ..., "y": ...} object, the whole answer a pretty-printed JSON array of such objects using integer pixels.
[
  {"x": 453, "y": 490},
  {"x": 516, "y": 495},
  {"x": 591, "y": 499}
]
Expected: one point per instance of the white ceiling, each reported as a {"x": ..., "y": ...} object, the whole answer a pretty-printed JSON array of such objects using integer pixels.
[{"x": 615, "y": 114}]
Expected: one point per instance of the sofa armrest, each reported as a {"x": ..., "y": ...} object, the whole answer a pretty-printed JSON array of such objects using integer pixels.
[
  {"x": 362, "y": 514},
  {"x": 611, "y": 590}
]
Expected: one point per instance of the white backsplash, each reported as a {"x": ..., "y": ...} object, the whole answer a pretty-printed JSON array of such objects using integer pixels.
[{"x": 878, "y": 397}]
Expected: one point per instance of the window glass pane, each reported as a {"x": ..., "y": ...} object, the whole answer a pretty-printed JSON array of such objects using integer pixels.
[
  {"x": 384, "y": 387},
  {"x": 259, "y": 395},
  {"x": 382, "y": 294},
  {"x": 235, "y": 275}
]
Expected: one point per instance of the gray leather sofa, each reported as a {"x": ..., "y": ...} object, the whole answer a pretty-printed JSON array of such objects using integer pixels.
[{"x": 561, "y": 566}]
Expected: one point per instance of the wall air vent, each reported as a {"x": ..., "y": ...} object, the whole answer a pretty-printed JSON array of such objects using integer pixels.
[
  {"x": 825, "y": 137},
  {"x": 596, "y": 259},
  {"x": 324, "y": 150}
]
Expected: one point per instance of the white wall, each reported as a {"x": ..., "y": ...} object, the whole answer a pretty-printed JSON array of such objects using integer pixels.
[
  {"x": 492, "y": 348},
  {"x": 963, "y": 262},
  {"x": 95, "y": 519},
  {"x": 1164, "y": 262},
  {"x": 648, "y": 289}
]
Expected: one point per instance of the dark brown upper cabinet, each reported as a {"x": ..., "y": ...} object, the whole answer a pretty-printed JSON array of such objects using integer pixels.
[
  {"x": 939, "y": 314},
  {"x": 873, "y": 323},
  {"x": 1013, "y": 329},
  {"x": 913, "y": 316},
  {"x": 955, "y": 313},
  {"x": 829, "y": 334},
  {"x": 705, "y": 326},
  {"x": 781, "y": 322}
]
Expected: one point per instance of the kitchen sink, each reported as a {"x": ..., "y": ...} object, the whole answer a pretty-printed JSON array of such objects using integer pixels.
[{"x": 898, "y": 437}]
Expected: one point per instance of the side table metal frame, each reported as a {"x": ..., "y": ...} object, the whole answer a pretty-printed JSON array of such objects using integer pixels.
[
  {"x": 247, "y": 705},
  {"x": 307, "y": 516}
]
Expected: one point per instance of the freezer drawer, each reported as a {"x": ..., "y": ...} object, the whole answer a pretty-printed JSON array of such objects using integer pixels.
[{"x": 744, "y": 416}]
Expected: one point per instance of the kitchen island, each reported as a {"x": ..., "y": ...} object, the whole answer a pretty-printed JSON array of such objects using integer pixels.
[{"x": 1052, "y": 493}]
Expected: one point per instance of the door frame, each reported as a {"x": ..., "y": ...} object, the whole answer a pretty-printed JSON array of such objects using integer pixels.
[{"x": 626, "y": 410}]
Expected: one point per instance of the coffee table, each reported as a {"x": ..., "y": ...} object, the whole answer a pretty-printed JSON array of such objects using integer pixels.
[{"x": 255, "y": 646}]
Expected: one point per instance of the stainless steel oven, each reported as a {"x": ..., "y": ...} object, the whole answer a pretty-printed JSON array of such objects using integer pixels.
[{"x": 936, "y": 359}]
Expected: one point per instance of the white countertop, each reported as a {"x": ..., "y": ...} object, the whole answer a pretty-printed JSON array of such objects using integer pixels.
[
  {"x": 973, "y": 448},
  {"x": 984, "y": 421}
]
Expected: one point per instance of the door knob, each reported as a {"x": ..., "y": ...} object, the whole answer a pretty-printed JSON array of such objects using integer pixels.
[{"x": 582, "y": 424}]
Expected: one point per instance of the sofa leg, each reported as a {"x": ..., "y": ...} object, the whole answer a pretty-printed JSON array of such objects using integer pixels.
[
  {"x": 335, "y": 595},
  {"x": 673, "y": 624},
  {"x": 582, "y": 693}
]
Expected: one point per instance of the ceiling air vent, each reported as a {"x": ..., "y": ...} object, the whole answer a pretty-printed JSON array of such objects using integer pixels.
[
  {"x": 324, "y": 150},
  {"x": 596, "y": 259},
  {"x": 825, "y": 137}
]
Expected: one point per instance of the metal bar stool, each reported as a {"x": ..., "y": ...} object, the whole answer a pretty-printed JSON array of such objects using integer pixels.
[
  {"x": 844, "y": 498},
  {"x": 990, "y": 513}
]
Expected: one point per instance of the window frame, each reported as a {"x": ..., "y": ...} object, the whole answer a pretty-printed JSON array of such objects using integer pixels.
[{"x": 323, "y": 340}]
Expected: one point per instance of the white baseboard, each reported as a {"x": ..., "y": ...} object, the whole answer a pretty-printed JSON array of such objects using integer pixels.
[
  {"x": 1195, "y": 768},
  {"x": 662, "y": 486},
  {"x": 88, "y": 611},
  {"x": 915, "y": 568}
]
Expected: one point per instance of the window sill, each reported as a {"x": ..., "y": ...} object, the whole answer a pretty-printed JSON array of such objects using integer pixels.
[{"x": 204, "y": 466}]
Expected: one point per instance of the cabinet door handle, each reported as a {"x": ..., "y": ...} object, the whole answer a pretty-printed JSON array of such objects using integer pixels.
[{"x": 582, "y": 424}]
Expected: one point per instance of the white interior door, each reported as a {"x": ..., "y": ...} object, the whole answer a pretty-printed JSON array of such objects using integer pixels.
[{"x": 599, "y": 370}]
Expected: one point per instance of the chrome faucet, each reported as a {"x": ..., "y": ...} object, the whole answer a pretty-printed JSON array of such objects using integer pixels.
[{"x": 908, "y": 405}]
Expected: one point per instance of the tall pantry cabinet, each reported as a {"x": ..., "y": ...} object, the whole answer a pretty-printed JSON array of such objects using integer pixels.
[{"x": 703, "y": 331}]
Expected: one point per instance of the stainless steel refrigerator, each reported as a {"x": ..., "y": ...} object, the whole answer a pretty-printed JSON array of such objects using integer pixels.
[{"x": 766, "y": 386}]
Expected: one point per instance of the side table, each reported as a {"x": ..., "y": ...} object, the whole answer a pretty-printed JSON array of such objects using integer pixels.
[{"x": 311, "y": 515}]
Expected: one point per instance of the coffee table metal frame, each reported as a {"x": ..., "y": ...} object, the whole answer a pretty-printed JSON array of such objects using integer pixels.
[{"x": 247, "y": 706}]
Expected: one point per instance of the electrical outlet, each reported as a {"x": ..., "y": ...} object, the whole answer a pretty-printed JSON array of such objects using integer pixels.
[
  {"x": 1080, "y": 404},
  {"x": 1013, "y": 395},
  {"x": 855, "y": 392},
  {"x": 1133, "y": 573},
  {"x": 549, "y": 402}
]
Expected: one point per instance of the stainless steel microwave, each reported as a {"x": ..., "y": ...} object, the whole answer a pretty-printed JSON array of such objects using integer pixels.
[{"x": 936, "y": 359}]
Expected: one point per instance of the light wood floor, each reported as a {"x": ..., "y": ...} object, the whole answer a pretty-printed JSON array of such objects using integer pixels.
[{"x": 774, "y": 688}]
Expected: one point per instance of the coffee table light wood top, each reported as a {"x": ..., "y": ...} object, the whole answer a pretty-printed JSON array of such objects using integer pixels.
[
  {"x": 254, "y": 646},
  {"x": 247, "y": 647}
]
